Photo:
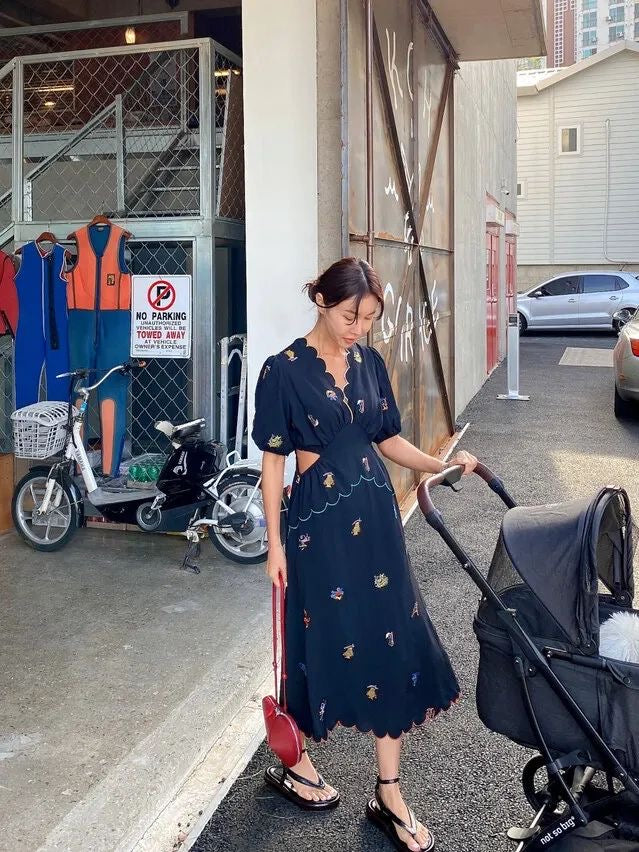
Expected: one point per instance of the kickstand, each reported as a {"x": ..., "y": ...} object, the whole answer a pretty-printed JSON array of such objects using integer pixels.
[{"x": 192, "y": 552}]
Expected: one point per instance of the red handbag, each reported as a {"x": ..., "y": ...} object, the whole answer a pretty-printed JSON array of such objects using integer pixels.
[{"x": 282, "y": 734}]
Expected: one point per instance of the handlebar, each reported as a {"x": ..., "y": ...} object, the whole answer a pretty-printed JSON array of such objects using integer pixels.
[
  {"x": 124, "y": 369},
  {"x": 450, "y": 477}
]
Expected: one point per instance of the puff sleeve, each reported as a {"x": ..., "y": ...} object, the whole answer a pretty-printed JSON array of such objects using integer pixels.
[
  {"x": 391, "y": 419},
  {"x": 272, "y": 410}
]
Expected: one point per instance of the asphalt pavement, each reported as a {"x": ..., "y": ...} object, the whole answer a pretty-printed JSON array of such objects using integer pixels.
[{"x": 462, "y": 780}]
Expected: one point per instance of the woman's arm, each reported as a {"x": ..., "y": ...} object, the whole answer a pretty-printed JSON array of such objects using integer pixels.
[
  {"x": 272, "y": 487},
  {"x": 402, "y": 452}
]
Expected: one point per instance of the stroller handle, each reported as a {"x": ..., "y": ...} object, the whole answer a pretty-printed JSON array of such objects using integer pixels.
[{"x": 450, "y": 477}]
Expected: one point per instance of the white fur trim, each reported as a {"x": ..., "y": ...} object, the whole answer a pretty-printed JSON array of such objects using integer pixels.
[{"x": 619, "y": 638}]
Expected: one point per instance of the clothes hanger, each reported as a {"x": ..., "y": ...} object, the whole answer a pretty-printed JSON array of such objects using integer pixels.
[
  {"x": 46, "y": 237},
  {"x": 99, "y": 220}
]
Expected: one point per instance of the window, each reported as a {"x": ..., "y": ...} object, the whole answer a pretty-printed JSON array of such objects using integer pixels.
[
  {"x": 589, "y": 4},
  {"x": 588, "y": 51},
  {"x": 589, "y": 19},
  {"x": 599, "y": 283},
  {"x": 521, "y": 188},
  {"x": 636, "y": 10},
  {"x": 589, "y": 38},
  {"x": 561, "y": 287},
  {"x": 616, "y": 33},
  {"x": 621, "y": 283},
  {"x": 569, "y": 140},
  {"x": 637, "y": 29},
  {"x": 617, "y": 14}
]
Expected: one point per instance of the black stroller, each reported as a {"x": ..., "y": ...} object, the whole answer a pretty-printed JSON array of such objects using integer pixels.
[{"x": 541, "y": 681}]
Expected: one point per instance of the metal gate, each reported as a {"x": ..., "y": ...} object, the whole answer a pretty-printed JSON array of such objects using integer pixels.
[{"x": 400, "y": 202}]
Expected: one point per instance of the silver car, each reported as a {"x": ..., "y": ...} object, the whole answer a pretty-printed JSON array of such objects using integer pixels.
[
  {"x": 626, "y": 364},
  {"x": 580, "y": 300}
]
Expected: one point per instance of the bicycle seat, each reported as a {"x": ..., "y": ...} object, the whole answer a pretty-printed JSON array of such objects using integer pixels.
[{"x": 184, "y": 430}]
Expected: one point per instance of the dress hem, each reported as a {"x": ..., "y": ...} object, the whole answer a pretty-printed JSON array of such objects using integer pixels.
[{"x": 430, "y": 714}]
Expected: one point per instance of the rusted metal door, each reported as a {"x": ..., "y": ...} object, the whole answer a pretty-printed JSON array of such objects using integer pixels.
[
  {"x": 492, "y": 291},
  {"x": 400, "y": 202}
]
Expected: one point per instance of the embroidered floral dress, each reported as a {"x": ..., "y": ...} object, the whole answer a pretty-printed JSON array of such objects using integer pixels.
[{"x": 361, "y": 649}]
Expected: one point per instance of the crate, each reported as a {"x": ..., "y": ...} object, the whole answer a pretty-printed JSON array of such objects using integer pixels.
[{"x": 40, "y": 430}]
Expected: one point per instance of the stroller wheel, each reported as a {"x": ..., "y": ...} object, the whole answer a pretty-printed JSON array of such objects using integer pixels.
[{"x": 539, "y": 790}]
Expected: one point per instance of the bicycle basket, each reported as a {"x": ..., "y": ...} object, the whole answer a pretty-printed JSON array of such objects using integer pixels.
[{"x": 40, "y": 430}]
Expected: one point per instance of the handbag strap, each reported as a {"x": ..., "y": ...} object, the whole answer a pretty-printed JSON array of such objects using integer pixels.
[{"x": 283, "y": 675}]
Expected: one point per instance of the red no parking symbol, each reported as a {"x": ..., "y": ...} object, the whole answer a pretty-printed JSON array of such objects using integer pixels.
[{"x": 161, "y": 295}]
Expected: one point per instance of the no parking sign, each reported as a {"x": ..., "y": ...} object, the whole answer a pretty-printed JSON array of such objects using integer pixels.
[{"x": 161, "y": 316}]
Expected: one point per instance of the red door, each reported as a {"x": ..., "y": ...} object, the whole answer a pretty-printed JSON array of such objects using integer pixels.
[
  {"x": 511, "y": 273},
  {"x": 492, "y": 291}
]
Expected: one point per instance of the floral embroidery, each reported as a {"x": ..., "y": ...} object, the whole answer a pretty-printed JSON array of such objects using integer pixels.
[
  {"x": 361, "y": 405},
  {"x": 303, "y": 668},
  {"x": 371, "y": 691},
  {"x": 356, "y": 527},
  {"x": 322, "y": 710},
  {"x": 331, "y": 395},
  {"x": 297, "y": 478},
  {"x": 384, "y": 403},
  {"x": 275, "y": 441},
  {"x": 307, "y": 620},
  {"x": 304, "y": 541},
  {"x": 415, "y": 611},
  {"x": 390, "y": 639},
  {"x": 337, "y": 594},
  {"x": 414, "y": 678},
  {"x": 328, "y": 480},
  {"x": 349, "y": 652},
  {"x": 357, "y": 356},
  {"x": 381, "y": 581},
  {"x": 290, "y": 355},
  {"x": 266, "y": 369},
  {"x": 313, "y": 420},
  {"x": 430, "y": 714},
  {"x": 367, "y": 465}
]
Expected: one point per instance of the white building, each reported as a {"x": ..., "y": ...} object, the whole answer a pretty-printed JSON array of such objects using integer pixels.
[
  {"x": 601, "y": 23},
  {"x": 578, "y": 166}
]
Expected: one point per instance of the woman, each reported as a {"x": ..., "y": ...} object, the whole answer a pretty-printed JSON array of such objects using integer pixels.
[{"x": 361, "y": 650}]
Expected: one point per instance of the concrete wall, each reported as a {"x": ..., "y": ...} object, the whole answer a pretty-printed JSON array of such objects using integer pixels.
[
  {"x": 280, "y": 134},
  {"x": 485, "y": 155}
]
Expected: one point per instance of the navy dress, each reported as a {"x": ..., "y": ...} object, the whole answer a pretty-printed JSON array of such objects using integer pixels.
[{"x": 361, "y": 649}]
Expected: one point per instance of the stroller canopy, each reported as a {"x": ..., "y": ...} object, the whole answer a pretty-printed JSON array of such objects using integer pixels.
[{"x": 561, "y": 550}]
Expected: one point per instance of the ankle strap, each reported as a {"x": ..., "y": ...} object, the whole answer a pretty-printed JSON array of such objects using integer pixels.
[{"x": 387, "y": 781}]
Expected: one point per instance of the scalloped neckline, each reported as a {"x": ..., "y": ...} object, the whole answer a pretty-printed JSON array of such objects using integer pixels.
[{"x": 319, "y": 358}]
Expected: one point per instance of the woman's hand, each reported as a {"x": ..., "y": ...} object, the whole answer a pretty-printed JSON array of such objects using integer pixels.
[
  {"x": 276, "y": 564},
  {"x": 467, "y": 460}
]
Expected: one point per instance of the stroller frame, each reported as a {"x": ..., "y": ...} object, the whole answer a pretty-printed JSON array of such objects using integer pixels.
[{"x": 570, "y": 774}]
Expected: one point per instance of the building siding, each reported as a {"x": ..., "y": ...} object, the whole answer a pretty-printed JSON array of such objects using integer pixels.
[{"x": 562, "y": 215}]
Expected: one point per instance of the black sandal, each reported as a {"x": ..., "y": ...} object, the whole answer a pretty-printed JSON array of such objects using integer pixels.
[
  {"x": 278, "y": 779},
  {"x": 386, "y": 820}
]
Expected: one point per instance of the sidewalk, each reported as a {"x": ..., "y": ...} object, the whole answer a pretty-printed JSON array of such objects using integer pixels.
[{"x": 460, "y": 778}]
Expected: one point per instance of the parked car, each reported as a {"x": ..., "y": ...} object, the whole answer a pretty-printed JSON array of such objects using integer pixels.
[
  {"x": 626, "y": 364},
  {"x": 581, "y": 300}
]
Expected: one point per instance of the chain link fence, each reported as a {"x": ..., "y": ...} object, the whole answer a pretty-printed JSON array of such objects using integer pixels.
[
  {"x": 229, "y": 138},
  {"x": 29, "y": 41},
  {"x": 117, "y": 135},
  {"x": 6, "y": 393},
  {"x": 6, "y": 148}
]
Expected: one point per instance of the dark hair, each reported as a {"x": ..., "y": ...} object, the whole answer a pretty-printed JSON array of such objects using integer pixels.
[{"x": 347, "y": 278}]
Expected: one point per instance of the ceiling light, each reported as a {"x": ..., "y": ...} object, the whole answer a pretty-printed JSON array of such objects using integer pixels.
[
  {"x": 129, "y": 35},
  {"x": 49, "y": 103}
]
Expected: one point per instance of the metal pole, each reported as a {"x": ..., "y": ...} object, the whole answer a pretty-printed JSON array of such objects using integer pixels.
[
  {"x": 513, "y": 361},
  {"x": 370, "y": 183},
  {"x": 119, "y": 156},
  {"x": 207, "y": 130},
  {"x": 17, "y": 201}
]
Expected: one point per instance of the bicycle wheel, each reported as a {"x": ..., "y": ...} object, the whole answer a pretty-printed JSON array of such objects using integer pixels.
[
  {"x": 246, "y": 541},
  {"x": 52, "y": 530}
]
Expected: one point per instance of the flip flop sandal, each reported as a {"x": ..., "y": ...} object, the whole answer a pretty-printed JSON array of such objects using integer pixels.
[
  {"x": 278, "y": 778},
  {"x": 386, "y": 820}
]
